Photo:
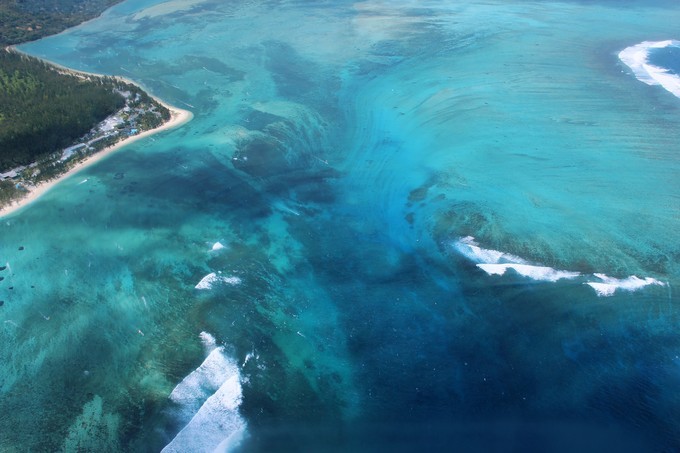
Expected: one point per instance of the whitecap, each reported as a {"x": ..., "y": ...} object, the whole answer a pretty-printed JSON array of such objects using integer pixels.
[
  {"x": 608, "y": 285},
  {"x": 217, "y": 426},
  {"x": 208, "y": 400},
  {"x": 217, "y": 246},
  {"x": 494, "y": 262},
  {"x": 212, "y": 278},
  {"x": 469, "y": 248},
  {"x": 209, "y": 342},
  {"x": 207, "y": 281},
  {"x": 195, "y": 388},
  {"x": 637, "y": 59},
  {"x": 250, "y": 355},
  {"x": 540, "y": 273}
]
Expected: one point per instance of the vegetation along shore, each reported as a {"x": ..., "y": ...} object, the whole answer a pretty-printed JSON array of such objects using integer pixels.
[{"x": 54, "y": 121}]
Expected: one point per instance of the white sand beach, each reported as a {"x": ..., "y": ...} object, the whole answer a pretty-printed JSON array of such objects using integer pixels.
[{"x": 178, "y": 117}]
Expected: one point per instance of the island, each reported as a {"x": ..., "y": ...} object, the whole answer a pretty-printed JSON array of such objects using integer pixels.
[
  {"x": 22, "y": 21},
  {"x": 54, "y": 121}
]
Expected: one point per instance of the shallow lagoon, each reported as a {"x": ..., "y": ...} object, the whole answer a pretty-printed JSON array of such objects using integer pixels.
[{"x": 340, "y": 152}]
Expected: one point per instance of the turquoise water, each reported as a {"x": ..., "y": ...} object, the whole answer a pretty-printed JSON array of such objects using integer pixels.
[{"x": 324, "y": 198}]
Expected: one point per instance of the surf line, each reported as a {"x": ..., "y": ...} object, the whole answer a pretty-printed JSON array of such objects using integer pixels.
[
  {"x": 637, "y": 59},
  {"x": 495, "y": 262}
]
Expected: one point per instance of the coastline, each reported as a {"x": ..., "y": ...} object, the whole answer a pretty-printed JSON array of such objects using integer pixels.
[{"x": 178, "y": 117}]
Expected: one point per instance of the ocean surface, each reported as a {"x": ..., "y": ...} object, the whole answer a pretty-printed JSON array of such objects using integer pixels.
[{"x": 390, "y": 226}]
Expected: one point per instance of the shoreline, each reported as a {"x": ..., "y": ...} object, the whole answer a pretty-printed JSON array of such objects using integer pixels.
[{"x": 178, "y": 117}]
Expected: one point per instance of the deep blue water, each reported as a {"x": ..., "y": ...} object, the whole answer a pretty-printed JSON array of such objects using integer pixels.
[
  {"x": 667, "y": 57},
  {"x": 344, "y": 154}
]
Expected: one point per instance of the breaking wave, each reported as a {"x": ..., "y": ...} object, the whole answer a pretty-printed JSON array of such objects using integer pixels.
[
  {"x": 213, "y": 278},
  {"x": 637, "y": 59},
  {"x": 495, "y": 262},
  {"x": 208, "y": 400}
]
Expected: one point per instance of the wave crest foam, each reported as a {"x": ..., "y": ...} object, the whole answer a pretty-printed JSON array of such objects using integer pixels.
[
  {"x": 208, "y": 400},
  {"x": 637, "y": 59},
  {"x": 212, "y": 278},
  {"x": 608, "y": 285},
  {"x": 495, "y": 262}
]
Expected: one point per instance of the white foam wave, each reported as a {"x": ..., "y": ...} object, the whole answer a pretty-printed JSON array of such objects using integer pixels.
[
  {"x": 494, "y": 262},
  {"x": 637, "y": 59},
  {"x": 469, "y": 248},
  {"x": 194, "y": 389},
  {"x": 608, "y": 285},
  {"x": 540, "y": 273},
  {"x": 212, "y": 278},
  {"x": 209, "y": 342},
  {"x": 207, "y": 281},
  {"x": 250, "y": 355},
  {"x": 208, "y": 400},
  {"x": 218, "y": 246},
  {"x": 217, "y": 426}
]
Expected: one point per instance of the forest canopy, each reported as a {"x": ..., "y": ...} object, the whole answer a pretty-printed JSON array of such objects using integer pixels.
[
  {"x": 43, "y": 110},
  {"x": 27, "y": 20}
]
